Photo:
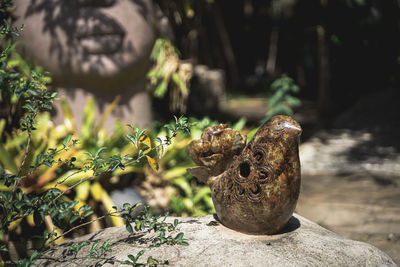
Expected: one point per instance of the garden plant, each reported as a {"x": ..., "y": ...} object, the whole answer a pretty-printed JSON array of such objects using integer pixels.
[{"x": 47, "y": 172}]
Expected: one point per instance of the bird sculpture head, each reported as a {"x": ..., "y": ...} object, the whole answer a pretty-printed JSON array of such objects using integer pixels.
[{"x": 254, "y": 187}]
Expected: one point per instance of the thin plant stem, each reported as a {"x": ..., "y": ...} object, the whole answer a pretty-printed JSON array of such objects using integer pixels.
[
  {"x": 16, "y": 182},
  {"x": 81, "y": 225}
]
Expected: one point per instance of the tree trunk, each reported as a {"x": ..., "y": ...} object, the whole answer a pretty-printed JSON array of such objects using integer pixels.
[
  {"x": 272, "y": 52},
  {"x": 324, "y": 93}
]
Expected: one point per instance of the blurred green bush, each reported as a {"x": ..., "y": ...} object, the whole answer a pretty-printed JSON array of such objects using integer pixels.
[{"x": 282, "y": 100}]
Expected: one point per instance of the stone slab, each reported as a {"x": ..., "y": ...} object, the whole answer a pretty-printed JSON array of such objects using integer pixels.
[{"x": 301, "y": 243}]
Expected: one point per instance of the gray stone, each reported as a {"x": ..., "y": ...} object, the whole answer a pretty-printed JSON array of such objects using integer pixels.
[
  {"x": 207, "y": 90},
  {"x": 94, "y": 49},
  {"x": 301, "y": 243},
  {"x": 126, "y": 195}
]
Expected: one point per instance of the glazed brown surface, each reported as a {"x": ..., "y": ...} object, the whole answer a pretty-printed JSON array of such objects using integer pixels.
[
  {"x": 255, "y": 188},
  {"x": 215, "y": 150}
]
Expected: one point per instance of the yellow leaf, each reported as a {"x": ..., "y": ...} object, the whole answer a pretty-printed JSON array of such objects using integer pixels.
[
  {"x": 174, "y": 173},
  {"x": 96, "y": 190},
  {"x": 99, "y": 194},
  {"x": 48, "y": 221},
  {"x": 74, "y": 176},
  {"x": 188, "y": 203},
  {"x": 2, "y": 126},
  {"x": 88, "y": 120},
  {"x": 152, "y": 162},
  {"x": 128, "y": 169},
  {"x": 82, "y": 191},
  {"x": 108, "y": 111},
  {"x": 14, "y": 224},
  {"x": 30, "y": 220},
  {"x": 4, "y": 188},
  {"x": 69, "y": 121},
  {"x": 79, "y": 205},
  {"x": 144, "y": 139},
  {"x": 108, "y": 204},
  {"x": 7, "y": 160},
  {"x": 48, "y": 186}
]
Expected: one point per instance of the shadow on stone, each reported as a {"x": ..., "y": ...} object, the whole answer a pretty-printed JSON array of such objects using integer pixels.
[
  {"x": 136, "y": 239},
  {"x": 291, "y": 225},
  {"x": 193, "y": 222}
]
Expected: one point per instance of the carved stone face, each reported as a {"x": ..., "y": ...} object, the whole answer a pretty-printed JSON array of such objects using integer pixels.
[{"x": 88, "y": 43}]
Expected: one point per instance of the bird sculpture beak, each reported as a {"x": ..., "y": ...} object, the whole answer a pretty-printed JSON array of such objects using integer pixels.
[{"x": 295, "y": 128}]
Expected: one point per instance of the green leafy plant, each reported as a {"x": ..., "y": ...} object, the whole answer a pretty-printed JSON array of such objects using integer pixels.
[
  {"x": 52, "y": 206},
  {"x": 30, "y": 162},
  {"x": 166, "y": 58},
  {"x": 185, "y": 195},
  {"x": 170, "y": 72},
  {"x": 96, "y": 252},
  {"x": 85, "y": 167},
  {"x": 282, "y": 100},
  {"x": 157, "y": 224},
  {"x": 74, "y": 249},
  {"x": 146, "y": 221},
  {"x": 46, "y": 173},
  {"x": 134, "y": 260}
]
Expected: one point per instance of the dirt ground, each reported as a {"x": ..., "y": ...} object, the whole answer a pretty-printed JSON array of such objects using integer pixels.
[
  {"x": 355, "y": 186},
  {"x": 360, "y": 207}
]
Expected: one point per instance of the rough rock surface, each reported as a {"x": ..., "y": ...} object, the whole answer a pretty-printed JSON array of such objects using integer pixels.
[{"x": 302, "y": 243}]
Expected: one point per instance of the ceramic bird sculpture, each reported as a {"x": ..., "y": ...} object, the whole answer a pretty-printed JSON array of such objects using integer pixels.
[{"x": 254, "y": 187}]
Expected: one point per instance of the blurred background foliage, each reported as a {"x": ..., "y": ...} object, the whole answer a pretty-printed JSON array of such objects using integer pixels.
[
  {"x": 170, "y": 72},
  {"x": 335, "y": 51}
]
